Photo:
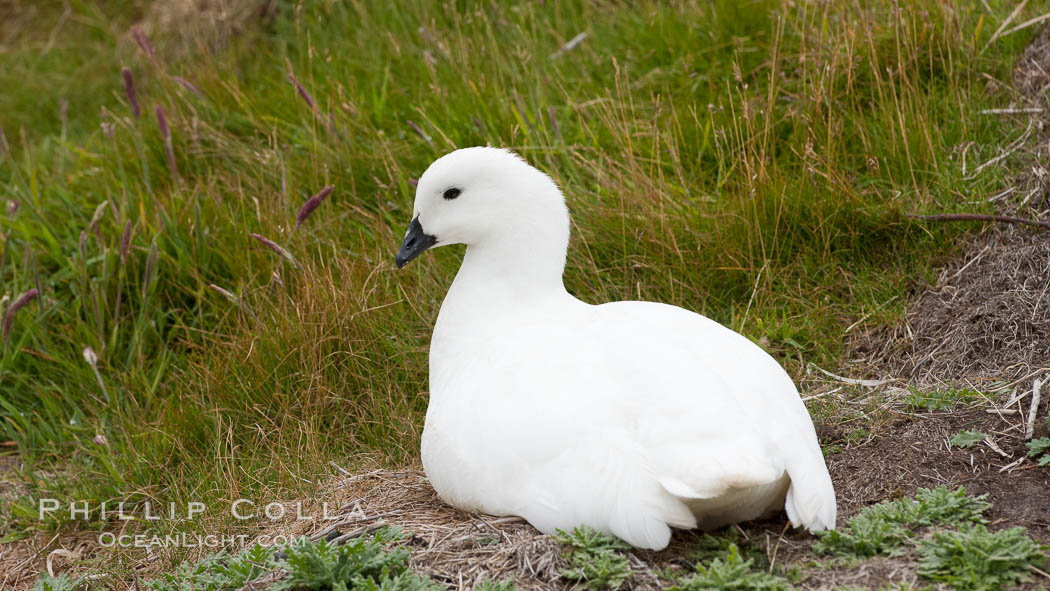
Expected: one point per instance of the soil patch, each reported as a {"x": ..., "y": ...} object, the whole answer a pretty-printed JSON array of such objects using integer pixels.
[{"x": 915, "y": 453}]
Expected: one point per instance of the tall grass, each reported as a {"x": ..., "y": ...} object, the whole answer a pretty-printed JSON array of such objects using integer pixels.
[{"x": 749, "y": 160}]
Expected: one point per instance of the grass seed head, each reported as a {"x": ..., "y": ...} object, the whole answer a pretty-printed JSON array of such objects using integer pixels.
[
  {"x": 225, "y": 293},
  {"x": 9, "y": 316},
  {"x": 187, "y": 85},
  {"x": 277, "y": 248},
  {"x": 311, "y": 204},
  {"x": 125, "y": 241},
  {"x": 143, "y": 42},
  {"x": 162, "y": 122},
  {"x": 129, "y": 90},
  {"x": 420, "y": 132},
  {"x": 90, "y": 356},
  {"x": 302, "y": 91},
  {"x": 169, "y": 149}
]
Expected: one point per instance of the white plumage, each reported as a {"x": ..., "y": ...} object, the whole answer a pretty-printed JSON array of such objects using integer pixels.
[{"x": 628, "y": 417}]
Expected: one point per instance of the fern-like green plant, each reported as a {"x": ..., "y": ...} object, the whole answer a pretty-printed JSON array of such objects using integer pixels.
[
  {"x": 944, "y": 506},
  {"x": 60, "y": 583},
  {"x": 709, "y": 547},
  {"x": 361, "y": 563},
  {"x": 406, "y": 581},
  {"x": 866, "y": 535},
  {"x": 967, "y": 438},
  {"x": 731, "y": 573},
  {"x": 883, "y": 528},
  {"x": 937, "y": 400},
  {"x": 974, "y": 559},
  {"x": 594, "y": 558},
  {"x": 1040, "y": 448},
  {"x": 216, "y": 572}
]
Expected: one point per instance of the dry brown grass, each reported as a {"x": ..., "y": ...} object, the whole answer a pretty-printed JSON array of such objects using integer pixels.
[{"x": 987, "y": 318}]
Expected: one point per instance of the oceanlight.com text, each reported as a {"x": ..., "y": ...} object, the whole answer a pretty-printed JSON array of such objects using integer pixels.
[{"x": 186, "y": 540}]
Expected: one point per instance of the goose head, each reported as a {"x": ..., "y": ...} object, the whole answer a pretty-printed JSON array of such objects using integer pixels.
[{"x": 490, "y": 199}]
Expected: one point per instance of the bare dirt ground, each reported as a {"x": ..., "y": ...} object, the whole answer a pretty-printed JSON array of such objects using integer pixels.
[{"x": 915, "y": 453}]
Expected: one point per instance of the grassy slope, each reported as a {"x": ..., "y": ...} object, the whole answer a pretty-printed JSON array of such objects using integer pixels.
[{"x": 744, "y": 159}]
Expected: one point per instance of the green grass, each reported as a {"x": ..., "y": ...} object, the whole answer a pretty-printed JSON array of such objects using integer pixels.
[{"x": 749, "y": 160}]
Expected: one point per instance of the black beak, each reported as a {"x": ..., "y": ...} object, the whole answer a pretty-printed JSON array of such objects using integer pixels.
[{"x": 416, "y": 241}]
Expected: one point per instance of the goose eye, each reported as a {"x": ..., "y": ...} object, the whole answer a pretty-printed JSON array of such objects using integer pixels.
[{"x": 451, "y": 193}]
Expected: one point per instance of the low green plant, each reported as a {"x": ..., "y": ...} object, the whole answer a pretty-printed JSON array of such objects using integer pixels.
[
  {"x": 406, "y": 581},
  {"x": 973, "y": 558},
  {"x": 709, "y": 547},
  {"x": 830, "y": 449},
  {"x": 1040, "y": 448},
  {"x": 857, "y": 436},
  {"x": 944, "y": 506},
  {"x": 866, "y": 535},
  {"x": 594, "y": 558},
  {"x": 362, "y": 563},
  {"x": 217, "y": 572},
  {"x": 62, "y": 582},
  {"x": 883, "y": 528},
  {"x": 729, "y": 573},
  {"x": 488, "y": 585},
  {"x": 937, "y": 399},
  {"x": 967, "y": 439}
]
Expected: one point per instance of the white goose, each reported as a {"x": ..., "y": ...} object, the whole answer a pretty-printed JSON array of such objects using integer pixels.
[{"x": 629, "y": 417}]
